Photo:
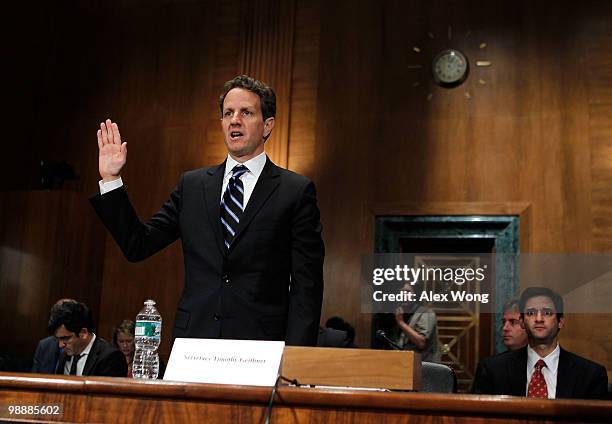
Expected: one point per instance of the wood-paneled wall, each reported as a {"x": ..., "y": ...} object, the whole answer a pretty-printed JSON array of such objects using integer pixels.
[{"x": 533, "y": 128}]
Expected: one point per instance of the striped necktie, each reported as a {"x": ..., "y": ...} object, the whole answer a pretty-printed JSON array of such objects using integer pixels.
[{"x": 232, "y": 205}]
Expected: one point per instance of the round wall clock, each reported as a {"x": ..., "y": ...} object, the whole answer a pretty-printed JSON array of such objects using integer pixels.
[{"x": 450, "y": 68}]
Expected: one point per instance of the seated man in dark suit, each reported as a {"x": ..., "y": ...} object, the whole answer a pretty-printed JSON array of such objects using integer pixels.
[
  {"x": 542, "y": 368},
  {"x": 48, "y": 351},
  {"x": 46, "y": 356},
  {"x": 84, "y": 353},
  {"x": 338, "y": 323},
  {"x": 330, "y": 337}
]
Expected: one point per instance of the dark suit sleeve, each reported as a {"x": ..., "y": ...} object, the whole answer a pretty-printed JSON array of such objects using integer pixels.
[
  {"x": 138, "y": 241},
  {"x": 598, "y": 384},
  {"x": 307, "y": 254},
  {"x": 113, "y": 365},
  {"x": 37, "y": 358},
  {"x": 483, "y": 384}
]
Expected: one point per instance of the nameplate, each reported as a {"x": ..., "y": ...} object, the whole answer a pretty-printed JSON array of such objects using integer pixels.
[{"x": 216, "y": 361}]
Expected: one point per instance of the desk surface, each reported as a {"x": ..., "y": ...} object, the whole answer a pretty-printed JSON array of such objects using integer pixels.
[{"x": 103, "y": 399}]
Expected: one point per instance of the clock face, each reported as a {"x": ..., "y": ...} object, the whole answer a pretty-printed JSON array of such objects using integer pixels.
[{"x": 450, "y": 68}]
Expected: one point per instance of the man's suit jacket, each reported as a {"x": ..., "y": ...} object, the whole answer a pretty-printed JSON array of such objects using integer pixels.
[
  {"x": 506, "y": 374},
  {"x": 330, "y": 337},
  {"x": 103, "y": 359},
  {"x": 268, "y": 286},
  {"x": 46, "y": 356}
]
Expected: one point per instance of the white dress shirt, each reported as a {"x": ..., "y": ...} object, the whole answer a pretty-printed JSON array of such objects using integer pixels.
[
  {"x": 549, "y": 371},
  {"x": 82, "y": 359},
  {"x": 249, "y": 179}
]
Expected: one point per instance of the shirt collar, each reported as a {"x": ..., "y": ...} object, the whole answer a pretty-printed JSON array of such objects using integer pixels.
[
  {"x": 255, "y": 165},
  {"x": 551, "y": 360},
  {"x": 89, "y": 345}
]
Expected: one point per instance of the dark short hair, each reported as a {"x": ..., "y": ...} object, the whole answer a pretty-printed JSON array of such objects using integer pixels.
[
  {"x": 531, "y": 292},
  {"x": 72, "y": 315},
  {"x": 266, "y": 94},
  {"x": 126, "y": 326},
  {"x": 338, "y": 323},
  {"x": 511, "y": 305}
]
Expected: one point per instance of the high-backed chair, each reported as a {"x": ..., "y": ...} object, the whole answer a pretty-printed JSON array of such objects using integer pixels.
[{"x": 438, "y": 378}]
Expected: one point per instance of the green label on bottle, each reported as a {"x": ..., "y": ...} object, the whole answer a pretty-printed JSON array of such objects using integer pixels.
[{"x": 148, "y": 329}]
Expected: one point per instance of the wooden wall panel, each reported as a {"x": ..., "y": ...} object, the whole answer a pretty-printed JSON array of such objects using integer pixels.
[
  {"x": 352, "y": 115},
  {"x": 598, "y": 64},
  {"x": 587, "y": 333},
  {"x": 304, "y": 83},
  {"x": 267, "y": 34},
  {"x": 192, "y": 57},
  {"x": 522, "y": 136},
  {"x": 42, "y": 260}
]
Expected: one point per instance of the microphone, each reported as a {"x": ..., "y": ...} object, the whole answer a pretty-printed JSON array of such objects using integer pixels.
[{"x": 381, "y": 335}]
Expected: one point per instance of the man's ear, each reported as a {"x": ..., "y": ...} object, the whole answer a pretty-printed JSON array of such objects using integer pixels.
[
  {"x": 84, "y": 333},
  {"x": 268, "y": 125},
  {"x": 561, "y": 323}
]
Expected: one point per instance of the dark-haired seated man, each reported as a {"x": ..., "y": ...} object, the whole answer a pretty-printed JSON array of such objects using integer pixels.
[
  {"x": 46, "y": 356},
  {"x": 338, "y": 323},
  {"x": 48, "y": 352},
  {"x": 83, "y": 352},
  {"x": 542, "y": 369}
]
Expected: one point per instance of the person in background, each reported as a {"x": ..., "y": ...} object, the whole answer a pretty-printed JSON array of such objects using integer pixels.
[
  {"x": 84, "y": 353},
  {"x": 542, "y": 369},
  {"x": 418, "y": 327},
  {"x": 337, "y": 323},
  {"x": 515, "y": 336},
  {"x": 123, "y": 339},
  {"x": 48, "y": 351}
]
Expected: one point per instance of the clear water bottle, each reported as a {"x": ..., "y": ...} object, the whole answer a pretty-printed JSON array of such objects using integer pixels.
[{"x": 147, "y": 339}]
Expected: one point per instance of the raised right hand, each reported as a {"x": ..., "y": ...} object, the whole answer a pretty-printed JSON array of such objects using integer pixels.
[
  {"x": 112, "y": 153},
  {"x": 399, "y": 314}
]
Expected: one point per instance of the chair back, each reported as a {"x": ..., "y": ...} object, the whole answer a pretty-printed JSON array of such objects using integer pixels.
[{"x": 438, "y": 378}]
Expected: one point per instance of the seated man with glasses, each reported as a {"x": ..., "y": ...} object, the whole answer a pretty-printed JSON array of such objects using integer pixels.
[
  {"x": 48, "y": 352},
  {"x": 83, "y": 352},
  {"x": 542, "y": 369}
]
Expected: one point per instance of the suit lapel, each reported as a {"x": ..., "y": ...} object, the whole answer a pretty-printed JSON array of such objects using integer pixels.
[
  {"x": 267, "y": 182},
  {"x": 564, "y": 376},
  {"x": 92, "y": 357},
  {"x": 517, "y": 373},
  {"x": 213, "y": 182},
  {"x": 61, "y": 363}
]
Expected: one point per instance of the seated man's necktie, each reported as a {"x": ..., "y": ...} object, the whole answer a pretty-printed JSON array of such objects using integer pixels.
[
  {"x": 73, "y": 366},
  {"x": 537, "y": 386}
]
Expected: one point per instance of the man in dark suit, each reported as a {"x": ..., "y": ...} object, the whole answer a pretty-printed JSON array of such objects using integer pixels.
[
  {"x": 250, "y": 231},
  {"x": 330, "y": 337},
  {"x": 542, "y": 368},
  {"x": 83, "y": 352},
  {"x": 48, "y": 351},
  {"x": 46, "y": 356}
]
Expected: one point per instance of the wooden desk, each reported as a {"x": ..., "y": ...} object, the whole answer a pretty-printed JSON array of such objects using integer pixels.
[{"x": 101, "y": 399}]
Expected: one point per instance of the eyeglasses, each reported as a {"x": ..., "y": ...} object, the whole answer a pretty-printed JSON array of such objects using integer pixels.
[{"x": 547, "y": 312}]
